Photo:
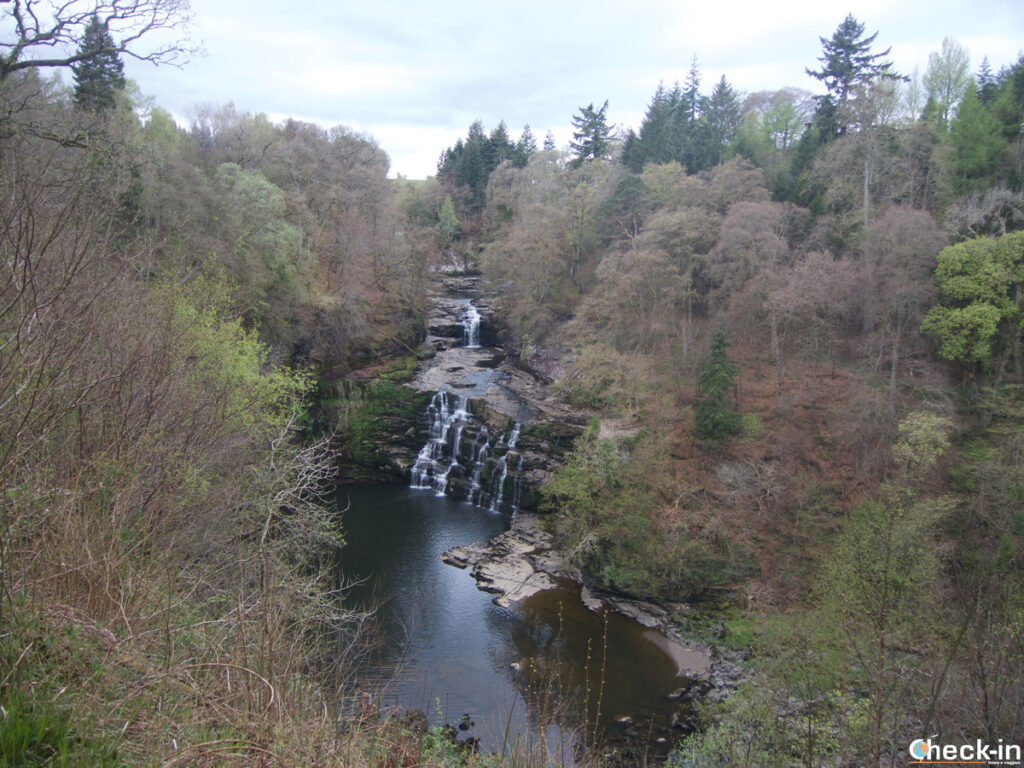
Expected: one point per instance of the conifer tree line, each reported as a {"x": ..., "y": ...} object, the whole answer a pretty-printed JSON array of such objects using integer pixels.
[{"x": 952, "y": 133}]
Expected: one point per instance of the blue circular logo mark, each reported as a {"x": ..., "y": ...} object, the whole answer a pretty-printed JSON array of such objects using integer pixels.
[{"x": 919, "y": 748}]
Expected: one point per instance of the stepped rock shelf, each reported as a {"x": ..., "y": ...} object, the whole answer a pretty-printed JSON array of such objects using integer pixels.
[{"x": 494, "y": 431}]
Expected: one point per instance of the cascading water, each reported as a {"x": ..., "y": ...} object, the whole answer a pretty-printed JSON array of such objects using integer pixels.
[
  {"x": 459, "y": 447},
  {"x": 499, "y": 491},
  {"x": 439, "y": 456},
  {"x": 471, "y": 328}
]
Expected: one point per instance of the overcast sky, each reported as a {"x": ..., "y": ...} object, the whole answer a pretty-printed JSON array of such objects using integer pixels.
[{"x": 414, "y": 75}]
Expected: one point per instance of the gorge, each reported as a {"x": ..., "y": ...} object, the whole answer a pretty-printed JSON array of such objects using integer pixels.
[{"x": 541, "y": 651}]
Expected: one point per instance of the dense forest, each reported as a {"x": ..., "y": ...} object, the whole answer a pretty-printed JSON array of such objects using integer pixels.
[{"x": 795, "y": 319}]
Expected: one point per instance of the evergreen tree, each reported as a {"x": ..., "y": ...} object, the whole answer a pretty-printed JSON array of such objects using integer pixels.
[
  {"x": 525, "y": 148},
  {"x": 99, "y": 73},
  {"x": 691, "y": 96},
  {"x": 591, "y": 134},
  {"x": 630, "y": 155},
  {"x": 722, "y": 118},
  {"x": 715, "y": 419},
  {"x": 847, "y": 64},
  {"x": 976, "y": 146},
  {"x": 655, "y": 137},
  {"x": 549, "y": 142},
  {"x": 500, "y": 148},
  {"x": 988, "y": 88}
]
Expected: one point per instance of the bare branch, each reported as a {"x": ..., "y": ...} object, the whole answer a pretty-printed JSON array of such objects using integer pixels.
[{"x": 47, "y": 34}]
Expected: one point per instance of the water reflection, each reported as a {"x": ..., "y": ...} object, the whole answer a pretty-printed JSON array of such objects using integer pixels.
[{"x": 448, "y": 649}]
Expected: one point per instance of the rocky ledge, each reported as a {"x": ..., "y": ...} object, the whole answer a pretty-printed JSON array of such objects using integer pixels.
[
  {"x": 523, "y": 561},
  {"x": 513, "y": 565}
]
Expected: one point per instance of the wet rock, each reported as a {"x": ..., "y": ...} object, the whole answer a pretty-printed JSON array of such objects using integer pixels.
[
  {"x": 514, "y": 564},
  {"x": 590, "y": 600},
  {"x": 644, "y": 613}
]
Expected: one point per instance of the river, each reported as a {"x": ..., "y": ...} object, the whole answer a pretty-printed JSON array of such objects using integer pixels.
[{"x": 448, "y": 650}]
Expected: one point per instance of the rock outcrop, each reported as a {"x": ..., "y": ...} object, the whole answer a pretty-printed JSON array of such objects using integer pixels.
[{"x": 513, "y": 565}]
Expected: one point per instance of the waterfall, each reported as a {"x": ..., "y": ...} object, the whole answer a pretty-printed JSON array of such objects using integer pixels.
[
  {"x": 459, "y": 451},
  {"x": 517, "y": 488},
  {"x": 480, "y": 451},
  {"x": 439, "y": 456},
  {"x": 499, "y": 491},
  {"x": 471, "y": 328}
]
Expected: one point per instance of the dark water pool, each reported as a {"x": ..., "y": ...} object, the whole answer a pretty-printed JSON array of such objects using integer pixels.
[{"x": 447, "y": 649}]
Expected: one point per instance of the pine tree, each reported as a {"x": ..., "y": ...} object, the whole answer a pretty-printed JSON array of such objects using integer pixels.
[
  {"x": 847, "y": 64},
  {"x": 525, "y": 148},
  {"x": 691, "y": 96},
  {"x": 500, "y": 147},
  {"x": 549, "y": 142},
  {"x": 722, "y": 118},
  {"x": 654, "y": 142},
  {"x": 988, "y": 88},
  {"x": 715, "y": 419},
  {"x": 99, "y": 73},
  {"x": 590, "y": 139}
]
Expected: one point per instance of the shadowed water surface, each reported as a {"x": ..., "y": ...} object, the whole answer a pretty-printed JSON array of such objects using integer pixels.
[{"x": 448, "y": 649}]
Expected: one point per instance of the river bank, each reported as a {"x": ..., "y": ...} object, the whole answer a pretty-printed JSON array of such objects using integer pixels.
[{"x": 524, "y": 561}]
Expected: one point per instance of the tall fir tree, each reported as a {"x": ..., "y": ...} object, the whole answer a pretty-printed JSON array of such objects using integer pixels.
[
  {"x": 591, "y": 135},
  {"x": 976, "y": 146},
  {"x": 847, "y": 64},
  {"x": 525, "y": 148},
  {"x": 655, "y": 137},
  {"x": 715, "y": 418},
  {"x": 99, "y": 73},
  {"x": 722, "y": 121}
]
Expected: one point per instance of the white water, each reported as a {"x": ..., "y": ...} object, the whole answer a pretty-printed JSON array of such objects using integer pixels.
[
  {"x": 444, "y": 455},
  {"x": 471, "y": 328},
  {"x": 439, "y": 456}
]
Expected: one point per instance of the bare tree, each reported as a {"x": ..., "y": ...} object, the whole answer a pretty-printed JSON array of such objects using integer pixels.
[
  {"x": 896, "y": 274},
  {"x": 45, "y": 33}
]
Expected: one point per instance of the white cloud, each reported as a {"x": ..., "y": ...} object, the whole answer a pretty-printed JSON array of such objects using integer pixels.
[{"x": 415, "y": 75}]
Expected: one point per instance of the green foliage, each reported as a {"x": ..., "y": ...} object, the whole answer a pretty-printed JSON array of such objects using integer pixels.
[
  {"x": 606, "y": 510},
  {"x": 715, "y": 418},
  {"x": 978, "y": 321},
  {"x": 847, "y": 65},
  {"x": 470, "y": 162},
  {"x": 990, "y": 476},
  {"x": 976, "y": 144},
  {"x": 592, "y": 470},
  {"x": 368, "y": 413},
  {"x": 922, "y": 438},
  {"x": 602, "y": 378},
  {"x": 448, "y": 223},
  {"x": 753, "y": 425},
  {"x": 39, "y": 734},
  {"x": 228, "y": 362}
]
